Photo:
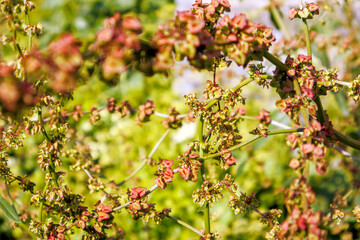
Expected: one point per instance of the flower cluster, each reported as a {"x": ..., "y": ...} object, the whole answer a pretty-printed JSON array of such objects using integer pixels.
[
  {"x": 60, "y": 64},
  {"x": 297, "y": 188},
  {"x": 312, "y": 145},
  {"x": 190, "y": 35},
  {"x": 307, "y": 12},
  {"x": 243, "y": 204},
  {"x": 165, "y": 173},
  {"x": 117, "y": 44},
  {"x": 208, "y": 193},
  {"x": 173, "y": 121},
  {"x": 139, "y": 208},
  {"x": 145, "y": 111},
  {"x": 307, "y": 221},
  {"x": 242, "y": 39},
  {"x": 15, "y": 95},
  {"x": 189, "y": 163},
  {"x": 354, "y": 91},
  {"x": 103, "y": 218}
]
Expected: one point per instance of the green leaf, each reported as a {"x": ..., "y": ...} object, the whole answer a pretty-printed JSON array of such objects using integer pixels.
[{"x": 9, "y": 210}]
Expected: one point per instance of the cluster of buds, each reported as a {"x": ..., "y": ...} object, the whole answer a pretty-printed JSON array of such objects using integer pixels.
[
  {"x": 145, "y": 111},
  {"x": 297, "y": 188},
  {"x": 208, "y": 193},
  {"x": 49, "y": 154},
  {"x": 307, "y": 12},
  {"x": 291, "y": 106},
  {"x": 60, "y": 64},
  {"x": 164, "y": 173},
  {"x": 354, "y": 91},
  {"x": 271, "y": 217},
  {"x": 256, "y": 72},
  {"x": 243, "y": 204},
  {"x": 212, "y": 90},
  {"x": 190, "y": 35},
  {"x": 356, "y": 211},
  {"x": 12, "y": 12},
  {"x": 104, "y": 218},
  {"x": 313, "y": 150},
  {"x": 336, "y": 213},
  {"x": 81, "y": 157},
  {"x": 189, "y": 164},
  {"x": 94, "y": 115},
  {"x": 298, "y": 221},
  {"x": 243, "y": 40},
  {"x": 265, "y": 120},
  {"x": 173, "y": 121},
  {"x": 210, "y": 236},
  {"x": 139, "y": 208},
  {"x": 117, "y": 43},
  {"x": 15, "y": 95}
]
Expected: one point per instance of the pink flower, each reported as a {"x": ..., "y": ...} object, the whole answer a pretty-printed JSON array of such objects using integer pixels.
[
  {"x": 102, "y": 216},
  {"x": 312, "y": 7},
  {"x": 160, "y": 182},
  {"x": 294, "y": 163},
  {"x": 184, "y": 173},
  {"x": 239, "y": 21},
  {"x": 292, "y": 13},
  {"x": 138, "y": 192},
  {"x": 225, "y": 3},
  {"x": 131, "y": 23},
  {"x": 167, "y": 163},
  {"x": 307, "y": 148}
]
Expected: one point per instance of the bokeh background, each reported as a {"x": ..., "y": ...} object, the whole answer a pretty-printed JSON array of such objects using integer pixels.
[{"x": 119, "y": 145}]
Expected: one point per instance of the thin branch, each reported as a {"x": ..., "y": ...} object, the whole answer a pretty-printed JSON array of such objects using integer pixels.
[
  {"x": 241, "y": 145},
  {"x": 186, "y": 225},
  {"x": 142, "y": 165}
]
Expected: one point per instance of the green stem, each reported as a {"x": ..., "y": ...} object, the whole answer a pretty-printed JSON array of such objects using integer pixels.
[
  {"x": 274, "y": 60},
  {"x": 241, "y": 145},
  {"x": 30, "y": 33},
  {"x": 26, "y": 229},
  {"x": 142, "y": 165},
  {"x": 52, "y": 166},
  {"x": 41, "y": 124},
  {"x": 236, "y": 88},
  {"x": 203, "y": 177},
  {"x": 186, "y": 225},
  {"x": 278, "y": 19},
  {"x": 307, "y": 38},
  {"x": 347, "y": 140},
  {"x": 42, "y": 201}
]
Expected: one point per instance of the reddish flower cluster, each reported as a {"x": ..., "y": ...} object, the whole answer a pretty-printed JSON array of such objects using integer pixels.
[
  {"x": 307, "y": 12},
  {"x": 165, "y": 173},
  {"x": 60, "y": 64},
  {"x": 313, "y": 150},
  {"x": 15, "y": 95},
  {"x": 173, "y": 121},
  {"x": 189, "y": 165},
  {"x": 145, "y": 111},
  {"x": 117, "y": 43},
  {"x": 242, "y": 39},
  {"x": 298, "y": 221},
  {"x": 139, "y": 207}
]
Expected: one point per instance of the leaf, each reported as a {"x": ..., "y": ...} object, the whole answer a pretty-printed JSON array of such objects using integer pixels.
[{"x": 9, "y": 210}]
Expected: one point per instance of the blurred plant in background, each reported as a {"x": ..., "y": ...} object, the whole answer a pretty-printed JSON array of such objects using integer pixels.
[{"x": 92, "y": 120}]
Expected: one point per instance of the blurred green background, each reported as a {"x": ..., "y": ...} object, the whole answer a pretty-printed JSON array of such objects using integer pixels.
[{"x": 119, "y": 145}]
